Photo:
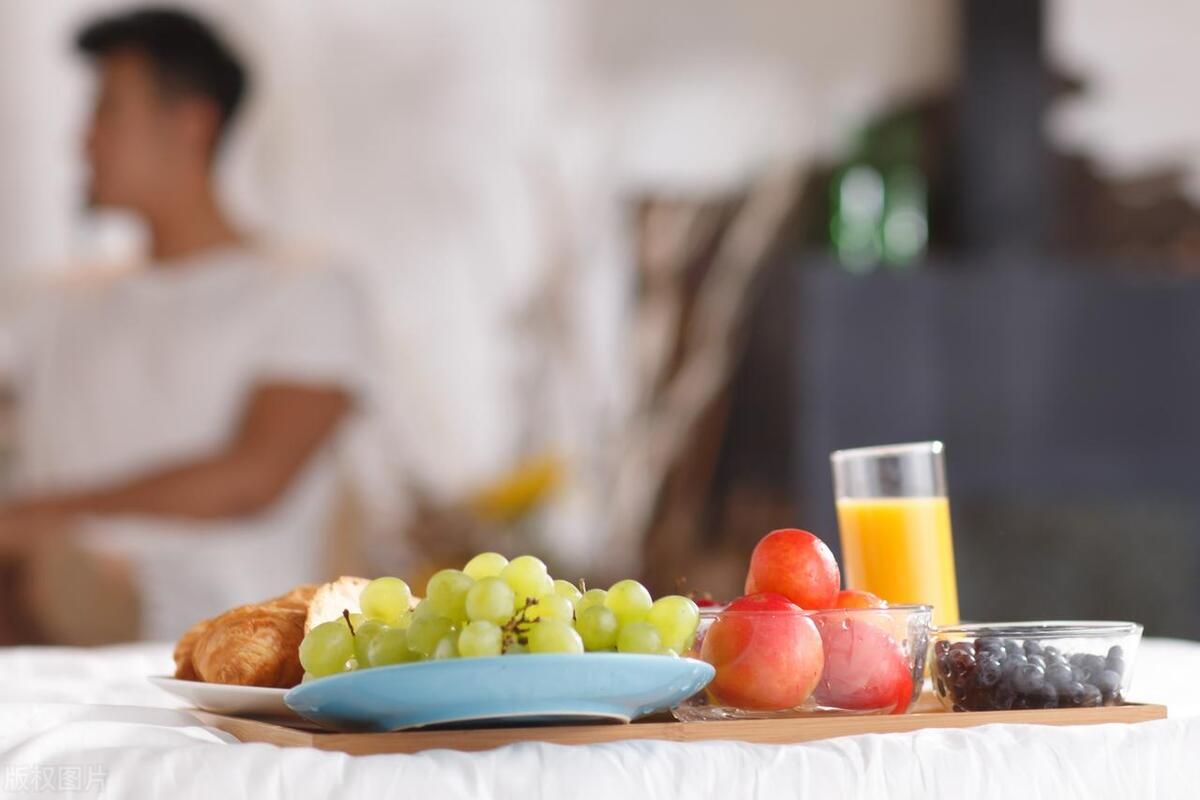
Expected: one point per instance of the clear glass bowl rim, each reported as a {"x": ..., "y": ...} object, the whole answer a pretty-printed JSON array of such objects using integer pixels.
[
  {"x": 1041, "y": 629},
  {"x": 931, "y": 447}
]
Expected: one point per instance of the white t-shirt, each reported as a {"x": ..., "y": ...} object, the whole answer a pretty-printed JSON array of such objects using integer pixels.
[{"x": 121, "y": 377}]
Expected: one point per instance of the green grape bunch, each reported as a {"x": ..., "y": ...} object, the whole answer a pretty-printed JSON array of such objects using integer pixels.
[{"x": 496, "y": 607}]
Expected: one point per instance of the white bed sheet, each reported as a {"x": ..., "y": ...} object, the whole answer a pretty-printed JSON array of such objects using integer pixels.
[{"x": 88, "y": 719}]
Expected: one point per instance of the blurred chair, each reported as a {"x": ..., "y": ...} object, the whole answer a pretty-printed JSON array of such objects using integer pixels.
[{"x": 699, "y": 264}]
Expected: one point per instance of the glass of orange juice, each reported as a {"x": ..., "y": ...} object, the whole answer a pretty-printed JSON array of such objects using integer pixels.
[{"x": 894, "y": 519}]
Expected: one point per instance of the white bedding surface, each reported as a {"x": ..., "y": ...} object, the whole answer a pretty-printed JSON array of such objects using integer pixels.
[{"x": 87, "y": 718}]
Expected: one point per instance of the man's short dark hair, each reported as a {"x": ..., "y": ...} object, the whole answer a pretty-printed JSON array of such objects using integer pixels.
[{"x": 184, "y": 51}]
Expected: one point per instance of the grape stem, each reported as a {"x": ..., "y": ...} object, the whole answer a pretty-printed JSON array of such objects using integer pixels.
[
  {"x": 516, "y": 629},
  {"x": 349, "y": 624}
]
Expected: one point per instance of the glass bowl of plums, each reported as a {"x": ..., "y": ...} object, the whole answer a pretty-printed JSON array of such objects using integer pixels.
[
  {"x": 774, "y": 659},
  {"x": 1033, "y": 665}
]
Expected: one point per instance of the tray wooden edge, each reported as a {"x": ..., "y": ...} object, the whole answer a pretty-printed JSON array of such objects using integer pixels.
[{"x": 773, "y": 731}]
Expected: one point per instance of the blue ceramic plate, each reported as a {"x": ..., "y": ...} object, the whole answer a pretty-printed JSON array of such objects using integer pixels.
[{"x": 523, "y": 689}]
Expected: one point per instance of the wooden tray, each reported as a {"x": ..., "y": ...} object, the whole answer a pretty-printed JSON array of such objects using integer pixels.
[{"x": 928, "y": 714}]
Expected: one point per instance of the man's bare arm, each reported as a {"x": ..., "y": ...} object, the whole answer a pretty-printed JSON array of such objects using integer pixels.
[{"x": 284, "y": 424}]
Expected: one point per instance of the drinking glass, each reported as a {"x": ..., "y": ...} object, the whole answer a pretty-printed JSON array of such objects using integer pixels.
[{"x": 894, "y": 521}]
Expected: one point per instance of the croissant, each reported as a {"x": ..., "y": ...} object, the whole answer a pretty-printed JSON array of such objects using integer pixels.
[
  {"x": 184, "y": 668},
  {"x": 259, "y": 644},
  {"x": 252, "y": 645}
]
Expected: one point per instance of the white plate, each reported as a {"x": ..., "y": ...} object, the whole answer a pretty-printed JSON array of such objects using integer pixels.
[{"x": 221, "y": 698}]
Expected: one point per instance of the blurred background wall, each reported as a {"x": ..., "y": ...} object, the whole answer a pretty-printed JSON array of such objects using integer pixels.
[{"x": 483, "y": 164}]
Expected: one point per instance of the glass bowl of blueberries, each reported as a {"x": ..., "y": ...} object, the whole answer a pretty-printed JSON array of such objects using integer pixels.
[{"x": 1026, "y": 665}]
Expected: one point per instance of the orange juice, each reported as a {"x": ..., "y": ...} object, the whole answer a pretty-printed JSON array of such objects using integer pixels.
[{"x": 900, "y": 549}]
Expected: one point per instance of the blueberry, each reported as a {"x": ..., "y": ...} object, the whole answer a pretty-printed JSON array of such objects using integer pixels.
[
  {"x": 1091, "y": 696},
  {"x": 1059, "y": 676},
  {"x": 1012, "y": 647},
  {"x": 963, "y": 647},
  {"x": 1116, "y": 664},
  {"x": 1003, "y": 697},
  {"x": 974, "y": 701},
  {"x": 1050, "y": 651},
  {"x": 989, "y": 643},
  {"x": 1072, "y": 695},
  {"x": 1093, "y": 664},
  {"x": 1038, "y": 660},
  {"x": 988, "y": 672},
  {"x": 1116, "y": 651},
  {"x": 1079, "y": 674},
  {"x": 960, "y": 661},
  {"x": 1108, "y": 682},
  {"x": 1076, "y": 659},
  {"x": 1029, "y": 679},
  {"x": 1049, "y": 697},
  {"x": 1032, "y": 648}
]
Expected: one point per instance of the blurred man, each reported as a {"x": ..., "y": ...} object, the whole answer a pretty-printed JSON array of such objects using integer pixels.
[{"x": 175, "y": 424}]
